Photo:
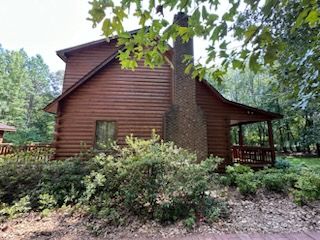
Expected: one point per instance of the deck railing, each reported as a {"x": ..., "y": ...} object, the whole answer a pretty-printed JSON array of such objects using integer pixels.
[
  {"x": 253, "y": 155},
  {"x": 36, "y": 151}
]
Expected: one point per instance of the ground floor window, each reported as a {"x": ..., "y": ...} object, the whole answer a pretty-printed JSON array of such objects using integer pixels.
[{"x": 105, "y": 134}]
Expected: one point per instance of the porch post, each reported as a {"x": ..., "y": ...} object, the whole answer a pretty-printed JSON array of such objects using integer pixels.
[
  {"x": 240, "y": 135},
  {"x": 271, "y": 144},
  {"x": 1, "y": 136}
]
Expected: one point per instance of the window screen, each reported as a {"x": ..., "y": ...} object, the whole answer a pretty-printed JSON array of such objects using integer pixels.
[{"x": 105, "y": 134}]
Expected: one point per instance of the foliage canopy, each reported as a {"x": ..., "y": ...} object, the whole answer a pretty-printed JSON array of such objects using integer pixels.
[{"x": 279, "y": 33}]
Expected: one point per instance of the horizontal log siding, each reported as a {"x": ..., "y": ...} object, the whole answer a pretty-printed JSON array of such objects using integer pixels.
[
  {"x": 217, "y": 125},
  {"x": 136, "y": 100},
  {"x": 219, "y": 115},
  {"x": 82, "y": 61}
]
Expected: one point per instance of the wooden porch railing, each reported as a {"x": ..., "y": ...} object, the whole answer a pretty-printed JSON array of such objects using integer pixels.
[
  {"x": 253, "y": 155},
  {"x": 37, "y": 151}
]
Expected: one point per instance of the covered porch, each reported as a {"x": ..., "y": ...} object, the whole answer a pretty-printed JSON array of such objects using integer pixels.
[{"x": 256, "y": 156}]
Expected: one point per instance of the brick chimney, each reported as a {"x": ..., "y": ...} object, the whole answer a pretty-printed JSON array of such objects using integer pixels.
[{"x": 185, "y": 122}]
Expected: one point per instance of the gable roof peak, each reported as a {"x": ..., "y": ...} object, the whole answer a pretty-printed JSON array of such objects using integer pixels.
[{"x": 63, "y": 53}]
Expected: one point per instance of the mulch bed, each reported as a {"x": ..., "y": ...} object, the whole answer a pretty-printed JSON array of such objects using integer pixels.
[{"x": 265, "y": 213}]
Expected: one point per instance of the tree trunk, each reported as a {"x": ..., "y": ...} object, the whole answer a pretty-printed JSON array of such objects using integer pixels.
[
  {"x": 289, "y": 136},
  {"x": 281, "y": 139},
  {"x": 318, "y": 149}
]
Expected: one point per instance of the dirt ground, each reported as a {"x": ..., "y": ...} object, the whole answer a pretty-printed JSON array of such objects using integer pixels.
[{"x": 266, "y": 213}]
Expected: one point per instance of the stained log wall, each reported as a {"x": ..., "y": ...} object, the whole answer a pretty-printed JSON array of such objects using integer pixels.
[
  {"x": 82, "y": 61},
  {"x": 136, "y": 100}
]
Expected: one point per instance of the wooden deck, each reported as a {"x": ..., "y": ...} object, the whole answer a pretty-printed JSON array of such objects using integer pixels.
[{"x": 254, "y": 236}]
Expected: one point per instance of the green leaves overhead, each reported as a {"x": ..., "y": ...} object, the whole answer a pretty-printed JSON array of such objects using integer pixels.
[
  {"x": 313, "y": 17},
  {"x": 262, "y": 29},
  {"x": 250, "y": 33},
  {"x": 253, "y": 63}
]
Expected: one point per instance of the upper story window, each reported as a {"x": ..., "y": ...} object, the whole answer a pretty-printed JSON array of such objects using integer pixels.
[{"x": 105, "y": 134}]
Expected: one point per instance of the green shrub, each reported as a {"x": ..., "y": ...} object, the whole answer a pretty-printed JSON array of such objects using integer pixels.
[
  {"x": 19, "y": 177},
  {"x": 23, "y": 175},
  {"x": 243, "y": 178},
  {"x": 247, "y": 183},
  {"x": 18, "y": 207},
  {"x": 47, "y": 201},
  {"x": 225, "y": 180},
  {"x": 236, "y": 170},
  {"x": 151, "y": 179},
  {"x": 277, "y": 180},
  {"x": 190, "y": 222},
  {"x": 307, "y": 186},
  {"x": 215, "y": 210},
  {"x": 63, "y": 180},
  {"x": 282, "y": 164}
]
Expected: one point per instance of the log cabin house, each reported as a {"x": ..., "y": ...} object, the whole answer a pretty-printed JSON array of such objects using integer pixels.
[{"x": 102, "y": 102}]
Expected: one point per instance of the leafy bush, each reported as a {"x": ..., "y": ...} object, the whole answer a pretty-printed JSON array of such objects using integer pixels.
[
  {"x": 21, "y": 176},
  {"x": 190, "y": 222},
  {"x": 63, "y": 180},
  {"x": 243, "y": 178},
  {"x": 215, "y": 209},
  {"x": 247, "y": 183},
  {"x": 18, "y": 207},
  {"x": 236, "y": 170},
  {"x": 307, "y": 186},
  {"x": 282, "y": 164},
  {"x": 47, "y": 201},
  {"x": 277, "y": 180},
  {"x": 151, "y": 179},
  {"x": 148, "y": 178}
]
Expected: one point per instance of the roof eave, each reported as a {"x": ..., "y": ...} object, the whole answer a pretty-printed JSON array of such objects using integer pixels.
[
  {"x": 63, "y": 53},
  {"x": 272, "y": 115}
]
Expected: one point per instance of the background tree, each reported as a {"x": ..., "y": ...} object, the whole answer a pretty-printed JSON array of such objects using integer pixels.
[
  {"x": 26, "y": 86},
  {"x": 297, "y": 131}
]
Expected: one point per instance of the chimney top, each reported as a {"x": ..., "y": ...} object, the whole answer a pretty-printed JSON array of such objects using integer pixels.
[{"x": 181, "y": 19}]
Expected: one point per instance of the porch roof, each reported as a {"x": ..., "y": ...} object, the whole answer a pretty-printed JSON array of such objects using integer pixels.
[
  {"x": 239, "y": 113},
  {"x": 7, "y": 128}
]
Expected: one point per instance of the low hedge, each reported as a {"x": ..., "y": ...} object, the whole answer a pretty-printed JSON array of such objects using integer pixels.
[
  {"x": 302, "y": 182},
  {"x": 151, "y": 179}
]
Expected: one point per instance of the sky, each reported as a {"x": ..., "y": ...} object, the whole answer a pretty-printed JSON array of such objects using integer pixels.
[{"x": 45, "y": 26}]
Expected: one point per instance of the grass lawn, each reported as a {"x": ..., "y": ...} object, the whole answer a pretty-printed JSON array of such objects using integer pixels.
[{"x": 309, "y": 161}]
